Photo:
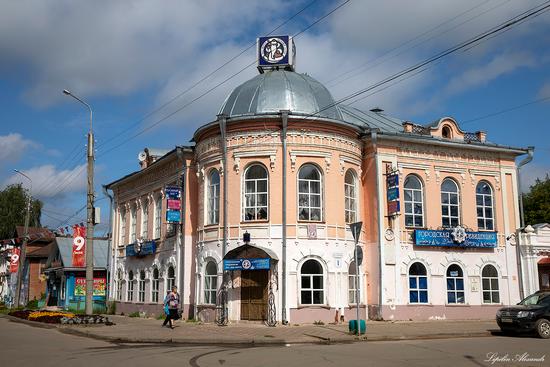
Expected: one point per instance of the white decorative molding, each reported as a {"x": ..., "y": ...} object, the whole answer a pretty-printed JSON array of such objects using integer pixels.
[
  {"x": 463, "y": 177},
  {"x": 327, "y": 161},
  {"x": 450, "y": 169},
  {"x": 427, "y": 173},
  {"x": 342, "y": 166},
  {"x": 437, "y": 176},
  {"x": 237, "y": 164},
  {"x": 418, "y": 166},
  {"x": 497, "y": 182},
  {"x": 308, "y": 153},
  {"x": 272, "y": 159}
]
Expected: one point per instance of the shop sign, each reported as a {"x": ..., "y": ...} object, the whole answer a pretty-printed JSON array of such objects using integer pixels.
[
  {"x": 455, "y": 238},
  {"x": 172, "y": 192},
  {"x": 173, "y": 216},
  {"x": 246, "y": 264},
  {"x": 174, "y": 204},
  {"x": 14, "y": 259},
  {"x": 392, "y": 193},
  {"x": 80, "y": 287},
  {"x": 141, "y": 248},
  {"x": 79, "y": 246}
]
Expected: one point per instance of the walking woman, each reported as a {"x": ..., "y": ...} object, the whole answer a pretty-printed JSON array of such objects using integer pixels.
[{"x": 173, "y": 301}]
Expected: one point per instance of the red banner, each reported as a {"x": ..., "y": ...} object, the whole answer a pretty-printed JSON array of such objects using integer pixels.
[
  {"x": 79, "y": 246},
  {"x": 174, "y": 204},
  {"x": 14, "y": 260}
]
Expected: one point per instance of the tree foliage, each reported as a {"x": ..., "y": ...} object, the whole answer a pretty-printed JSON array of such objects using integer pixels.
[
  {"x": 13, "y": 208},
  {"x": 536, "y": 202}
]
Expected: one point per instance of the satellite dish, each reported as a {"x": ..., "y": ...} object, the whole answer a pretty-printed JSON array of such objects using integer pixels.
[{"x": 142, "y": 156}]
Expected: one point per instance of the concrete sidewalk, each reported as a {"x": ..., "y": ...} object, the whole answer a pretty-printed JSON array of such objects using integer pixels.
[{"x": 139, "y": 330}]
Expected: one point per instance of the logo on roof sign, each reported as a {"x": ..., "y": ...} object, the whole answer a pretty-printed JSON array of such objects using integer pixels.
[{"x": 273, "y": 50}]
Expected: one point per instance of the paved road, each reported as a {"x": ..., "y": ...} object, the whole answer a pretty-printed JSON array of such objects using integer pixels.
[{"x": 24, "y": 345}]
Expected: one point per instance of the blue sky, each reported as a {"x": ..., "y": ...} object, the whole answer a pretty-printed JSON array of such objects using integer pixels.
[{"x": 129, "y": 58}]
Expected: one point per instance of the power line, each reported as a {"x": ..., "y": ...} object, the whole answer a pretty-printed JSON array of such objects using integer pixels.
[
  {"x": 503, "y": 26},
  {"x": 505, "y": 110}
]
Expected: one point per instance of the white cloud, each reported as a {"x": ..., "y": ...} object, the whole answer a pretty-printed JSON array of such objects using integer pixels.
[
  {"x": 48, "y": 182},
  {"x": 12, "y": 146},
  {"x": 544, "y": 91},
  {"x": 531, "y": 172}
]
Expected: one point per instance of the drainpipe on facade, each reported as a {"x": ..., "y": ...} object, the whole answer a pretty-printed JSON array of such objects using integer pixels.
[
  {"x": 181, "y": 258},
  {"x": 529, "y": 158},
  {"x": 284, "y": 118},
  {"x": 374, "y": 139},
  {"x": 109, "y": 242},
  {"x": 222, "y": 120}
]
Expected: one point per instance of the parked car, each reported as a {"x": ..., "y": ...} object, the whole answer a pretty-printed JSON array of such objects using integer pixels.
[{"x": 531, "y": 314}]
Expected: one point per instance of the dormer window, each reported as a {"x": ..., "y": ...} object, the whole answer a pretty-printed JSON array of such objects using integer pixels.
[{"x": 446, "y": 132}]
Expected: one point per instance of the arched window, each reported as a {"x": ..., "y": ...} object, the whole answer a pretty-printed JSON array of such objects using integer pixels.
[
  {"x": 122, "y": 227},
  {"x": 311, "y": 285},
  {"x": 141, "y": 286},
  {"x": 414, "y": 202},
  {"x": 119, "y": 286},
  {"x": 213, "y": 198},
  {"x": 455, "y": 284},
  {"x": 353, "y": 282},
  {"x": 484, "y": 206},
  {"x": 133, "y": 219},
  {"x": 158, "y": 216},
  {"x": 489, "y": 281},
  {"x": 130, "y": 287},
  {"x": 170, "y": 278},
  {"x": 446, "y": 132},
  {"x": 210, "y": 282},
  {"x": 418, "y": 284},
  {"x": 450, "y": 204},
  {"x": 144, "y": 219},
  {"x": 155, "y": 286},
  {"x": 255, "y": 198},
  {"x": 310, "y": 193},
  {"x": 350, "y": 196}
]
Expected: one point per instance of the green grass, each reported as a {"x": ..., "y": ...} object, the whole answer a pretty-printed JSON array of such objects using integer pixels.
[{"x": 134, "y": 314}]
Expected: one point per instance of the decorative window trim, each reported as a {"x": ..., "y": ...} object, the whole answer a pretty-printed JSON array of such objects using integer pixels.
[{"x": 294, "y": 154}]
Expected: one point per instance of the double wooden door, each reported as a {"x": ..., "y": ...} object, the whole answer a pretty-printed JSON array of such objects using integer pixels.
[{"x": 254, "y": 294}]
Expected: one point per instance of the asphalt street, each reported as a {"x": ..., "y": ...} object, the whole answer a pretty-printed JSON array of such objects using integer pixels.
[{"x": 24, "y": 345}]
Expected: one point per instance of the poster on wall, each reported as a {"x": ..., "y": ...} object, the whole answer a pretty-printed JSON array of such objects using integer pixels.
[
  {"x": 14, "y": 260},
  {"x": 79, "y": 246},
  {"x": 80, "y": 287}
]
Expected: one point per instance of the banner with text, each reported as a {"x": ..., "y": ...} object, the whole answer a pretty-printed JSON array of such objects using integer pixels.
[
  {"x": 79, "y": 246},
  {"x": 80, "y": 287}
]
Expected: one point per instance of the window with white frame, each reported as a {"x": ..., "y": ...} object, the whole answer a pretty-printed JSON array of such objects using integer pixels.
[
  {"x": 122, "y": 226},
  {"x": 450, "y": 204},
  {"x": 353, "y": 280},
  {"x": 484, "y": 206},
  {"x": 255, "y": 195},
  {"x": 130, "y": 287},
  {"x": 170, "y": 278},
  {"x": 350, "y": 196},
  {"x": 310, "y": 193},
  {"x": 418, "y": 283},
  {"x": 213, "y": 198},
  {"x": 455, "y": 284},
  {"x": 145, "y": 219},
  {"x": 311, "y": 283},
  {"x": 119, "y": 286},
  {"x": 141, "y": 286},
  {"x": 133, "y": 219},
  {"x": 489, "y": 283},
  {"x": 155, "y": 286},
  {"x": 414, "y": 202},
  {"x": 210, "y": 283},
  {"x": 158, "y": 214}
]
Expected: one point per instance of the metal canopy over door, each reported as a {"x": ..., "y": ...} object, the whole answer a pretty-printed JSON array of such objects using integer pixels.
[{"x": 254, "y": 295}]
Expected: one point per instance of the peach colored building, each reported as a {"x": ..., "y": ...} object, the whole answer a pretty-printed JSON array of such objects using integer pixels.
[{"x": 269, "y": 190}]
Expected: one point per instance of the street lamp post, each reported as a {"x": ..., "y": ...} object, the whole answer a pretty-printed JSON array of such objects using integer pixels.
[
  {"x": 23, "y": 253},
  {"x": 90, "y": 214}
]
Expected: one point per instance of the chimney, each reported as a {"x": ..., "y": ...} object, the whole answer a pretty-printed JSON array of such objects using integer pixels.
[{"x": 481, "y": 136}]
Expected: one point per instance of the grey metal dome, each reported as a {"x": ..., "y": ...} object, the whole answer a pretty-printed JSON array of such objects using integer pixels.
[{"x": 270, "y": 92}]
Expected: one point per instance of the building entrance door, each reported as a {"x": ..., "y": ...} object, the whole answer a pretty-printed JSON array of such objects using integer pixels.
[
  {"x": 254, "y": 294},
  {"x": 544, "y": 276}
]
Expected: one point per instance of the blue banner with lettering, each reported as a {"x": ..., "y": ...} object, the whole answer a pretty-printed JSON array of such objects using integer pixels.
[
  {"x": 173, "y": 216},
  {"x": 444, "y": 238},
  {"x": 146, "y": 248},
  {"x": 246, "y": 264}
]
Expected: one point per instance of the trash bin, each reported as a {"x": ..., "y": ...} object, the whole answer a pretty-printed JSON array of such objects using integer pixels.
[{"x": 352, "y": 326}]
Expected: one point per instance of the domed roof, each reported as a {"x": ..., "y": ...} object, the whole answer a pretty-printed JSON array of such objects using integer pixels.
[{"x": 277, "y": 90}]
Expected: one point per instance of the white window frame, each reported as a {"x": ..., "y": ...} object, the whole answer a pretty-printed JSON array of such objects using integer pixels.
[
  {"x": 417, "y": 289},
  {"x": 133, "y": 223},
  {"x": 413, "y": 202},
  {"x": 170, "y": 281},
  {"x": 119, "y": 285},
  {"x": 454, "y": 220},
  {"x": 309, "y": 194},
  {"x": 130, "y": 287},
  {"x": 311, "y": 288},
  {"x": 353, "y": 281},
  {"x": 158, "y": 216},
  {"x": 210, "y": 286},
  {"x": 213, "y": 199},
  {"x": 454, "y": 280},
  {"x": 350, "y": 197},
  {"x": 490, "y": 289},
  {"x": 122, "y": 237},
  {"x": 255, "y": 194},
  {"x": 483, "y": 207},
  {"x": 145, "y": 219},
  {"x": 141, "y": 287},
  {"x": 155, "y": 286}
]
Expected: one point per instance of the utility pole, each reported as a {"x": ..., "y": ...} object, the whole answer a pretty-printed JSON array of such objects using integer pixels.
[
  {"x": 90, "y": 213},
  {"x": 22, "y": 256}
]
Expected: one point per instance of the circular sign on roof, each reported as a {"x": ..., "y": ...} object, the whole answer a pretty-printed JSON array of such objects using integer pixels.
[
  {"x": 246, "y": 264},
  {"x": 273, "y": 50}
]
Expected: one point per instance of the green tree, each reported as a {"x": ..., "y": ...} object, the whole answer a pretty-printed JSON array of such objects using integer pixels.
[
  {"x": 13, "y": 208},
  {"x": 536, "y": 202}
]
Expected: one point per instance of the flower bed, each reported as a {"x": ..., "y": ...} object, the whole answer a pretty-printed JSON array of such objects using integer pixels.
[{"x": 60, "y": 317}]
